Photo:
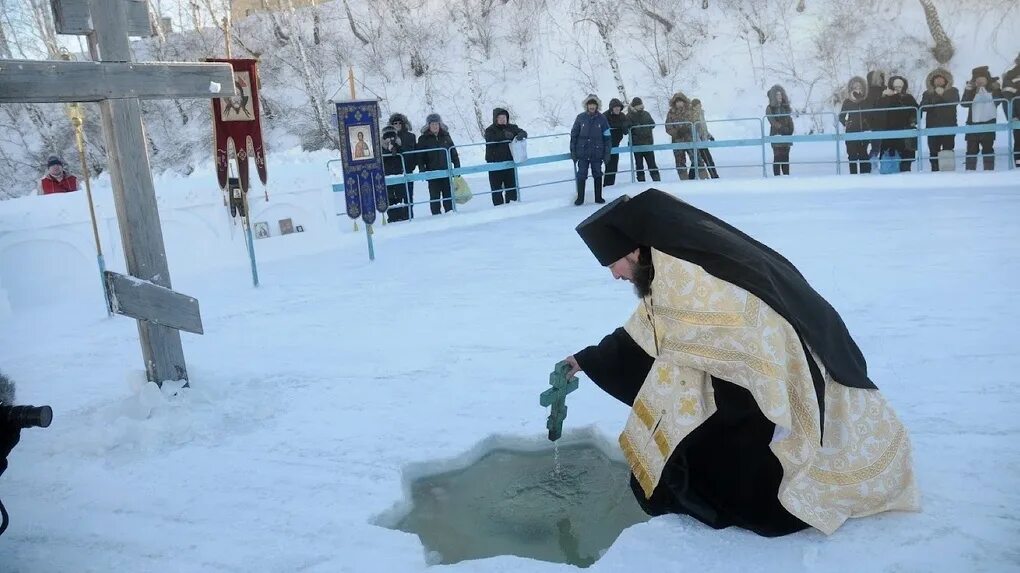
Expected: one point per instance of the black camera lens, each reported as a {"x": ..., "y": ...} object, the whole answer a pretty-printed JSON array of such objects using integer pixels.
[{"x": 27, "y": 416}]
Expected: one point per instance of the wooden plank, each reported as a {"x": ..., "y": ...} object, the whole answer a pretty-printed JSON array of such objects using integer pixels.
[
  {"x": 50, "y": 81},
  {"x": 144, "y": 300},
  {"x": 71, "y": 17}
]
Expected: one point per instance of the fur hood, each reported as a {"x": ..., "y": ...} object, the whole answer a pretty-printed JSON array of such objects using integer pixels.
[
  {"x": 615, "y": 102},
  {"x": 774, "y": 93},
  {"x": 906, "y": 84},
  {"x": 498, "y": 112},
  {"x": 850, "y": 85},
  {"x": 443, "y": 130},
  {"x": 402, "y": 118},
  {"x": 929, "y": 82},
  {"x": 679, "y": 96},
  {"x": 876, "y": 79},
  {"x": 594, "y": 98}
]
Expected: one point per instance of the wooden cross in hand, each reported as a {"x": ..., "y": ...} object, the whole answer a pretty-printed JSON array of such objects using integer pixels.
[{"x": 556, "y": 398}]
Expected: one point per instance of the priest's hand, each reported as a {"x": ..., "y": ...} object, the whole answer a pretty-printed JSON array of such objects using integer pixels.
[{"x": 574, "y": 366}]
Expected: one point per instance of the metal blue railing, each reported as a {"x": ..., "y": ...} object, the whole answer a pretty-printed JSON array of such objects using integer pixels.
[{"x": 837, "y": 136}]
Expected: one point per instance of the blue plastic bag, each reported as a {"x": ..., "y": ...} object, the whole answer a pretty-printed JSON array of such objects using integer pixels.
[{"x": 889, "y": 163}]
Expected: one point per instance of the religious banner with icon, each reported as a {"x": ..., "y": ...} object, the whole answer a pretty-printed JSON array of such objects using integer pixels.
[
  {"x": 364, "y": 179},
  {"x": 237, "y": 126}
]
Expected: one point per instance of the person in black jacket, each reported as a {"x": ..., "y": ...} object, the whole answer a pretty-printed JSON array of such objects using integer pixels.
[
  {"x": 642, "y": 125},
  {"x": 876, "y": 118},
  {"x": 1010, "y": 87},
  {"x": 405, "y": 143},
  {"x": 392, "y": 165},
  {"x": 979, "y": 98},
  {"x": 497, "y": 150},
  {"x": 618, "y": 126},
  {"x": 780, "y": 123},
  {"x": 944, "y": 97},
  {"x": 855, "y": 120},
  {"x": 435, "y": 138},
  {"x": 895, "y": 99}
]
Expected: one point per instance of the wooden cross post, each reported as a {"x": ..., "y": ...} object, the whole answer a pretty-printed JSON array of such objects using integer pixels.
[
  {"x": 118, "y": 84},
  {"x": 556, "y": 399}
]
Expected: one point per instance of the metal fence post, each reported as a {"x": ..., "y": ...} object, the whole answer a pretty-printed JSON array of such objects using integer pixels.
[
  {"x": 764, "y": 158},
  {"x": 1010, "y": 112},
  {"x": 633, "y": 160},
  {"x": 835, "y": 126},
  {"x": 449, "y": 174},
  {"x": 917, "y": 152}
]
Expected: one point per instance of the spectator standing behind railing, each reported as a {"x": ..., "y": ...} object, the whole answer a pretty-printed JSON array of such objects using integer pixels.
[
  {"x": 396, "y": 194},
  {"x": 678, "y": 126},
  {"x": 706, "y": 164},
  {"x": 498, "y": 136},
  {"x": 641, "y": 133},
  {"x": 1010, "y": 90},
  {"x": 57, "y": 180},
  {"x": 855, "y": 120},
  {"x": 780, "y": 123},
  {"x": 894, "y": 99},
  {"x": 618, "y": 125},
  {"x": 589, "y": 146},
  {"x": 979, "y": 97},
  {"x": 940, "y": 90},
  {"x": 407, "y": 143},
  {"x": 876, "y": 119},
  {"x": 436, "y": 138}
]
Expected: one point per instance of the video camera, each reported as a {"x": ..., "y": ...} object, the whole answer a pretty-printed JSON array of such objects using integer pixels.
[{"x": 12, "y": 420}]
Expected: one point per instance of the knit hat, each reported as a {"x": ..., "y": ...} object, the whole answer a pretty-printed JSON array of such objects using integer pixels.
[
  {"x": 54, "y": 160},
  {"x": 433, "y": 117},
  {"x": 636, "y": 102}
]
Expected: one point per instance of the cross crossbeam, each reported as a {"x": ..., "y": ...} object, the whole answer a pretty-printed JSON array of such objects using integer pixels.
[{"x": 555, "y": 399}]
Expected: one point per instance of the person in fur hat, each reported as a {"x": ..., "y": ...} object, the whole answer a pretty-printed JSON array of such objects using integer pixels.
[
  {"x": 641, "y": 133},
  {"x": 435, "y": 137},
  {"x": 1010, "y": 89},
  {"x": 679, "y": 126},
  {"x": 855, "y": 117},
  {"x": 780, "y": 119},
  {"x": 941, "y": 94},
  {"x": 876, "y": 118},
  {"x": 498, "y": 136},
  {"x": 618, "y": 126},
  {"x": 706, "y": 164},
  {"x": 901, "y": 114},
  {"x": 399, "y": 159},
  {"x": 589, "y": 146},
  {"x": 979, "y": 98}
]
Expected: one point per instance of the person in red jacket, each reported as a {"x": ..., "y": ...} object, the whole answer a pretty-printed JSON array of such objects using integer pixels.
[{"x": 57, "y": 180}]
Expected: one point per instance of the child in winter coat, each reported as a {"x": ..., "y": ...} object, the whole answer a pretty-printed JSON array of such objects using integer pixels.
[
  {"x": 780, "y": 123},
  {"x": 979, "y": 97}
]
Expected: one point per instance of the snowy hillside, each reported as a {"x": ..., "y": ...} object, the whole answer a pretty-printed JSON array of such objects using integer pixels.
[
  {"x": 536, "y": 57},
  {"x": 312, "y": 395}
]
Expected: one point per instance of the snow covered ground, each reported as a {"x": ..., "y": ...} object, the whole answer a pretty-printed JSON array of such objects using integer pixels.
[{"x": 311, "y": 394}]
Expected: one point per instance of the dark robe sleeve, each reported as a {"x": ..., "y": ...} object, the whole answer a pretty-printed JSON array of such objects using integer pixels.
[{"x": 617, "y": 364}]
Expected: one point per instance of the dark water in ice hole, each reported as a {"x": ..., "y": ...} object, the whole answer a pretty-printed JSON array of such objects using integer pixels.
[{"x": 516, "y": 503}]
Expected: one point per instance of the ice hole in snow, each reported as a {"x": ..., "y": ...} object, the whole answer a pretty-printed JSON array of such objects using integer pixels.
[{"x": 508, "y": 499}]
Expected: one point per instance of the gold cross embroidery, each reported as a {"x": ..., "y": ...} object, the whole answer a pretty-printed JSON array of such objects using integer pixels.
[{"x": 688, "y": 406}]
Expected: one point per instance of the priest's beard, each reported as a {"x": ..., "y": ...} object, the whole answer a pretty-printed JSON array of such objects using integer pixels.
[{"x": 644, "y": 272}]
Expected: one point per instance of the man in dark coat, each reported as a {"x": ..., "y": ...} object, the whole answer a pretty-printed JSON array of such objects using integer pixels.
[
  {"x": 780, "y": 123},
  {"x": 642, "y": 125},
  {"x": 1010, "y": 88},
  {"x": 901, "y": 114},
  {"x": 618, "y": 126},
  {"x": 589, "y": 146},
  {"x": 751, "y": 404},
  {"x": 405, "y": 145},
  {"x": 434, "y": 142},
  {"x": 876, "y": 118},
  {"x": 855, "y": 119},
  {"x": 497, "y": 150},
  {"x": 941, "y": 94},
  {"x": 979, "y": 98}
]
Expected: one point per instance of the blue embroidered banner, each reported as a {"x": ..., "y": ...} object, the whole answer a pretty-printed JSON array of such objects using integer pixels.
[{"x": 361, "y": 157}]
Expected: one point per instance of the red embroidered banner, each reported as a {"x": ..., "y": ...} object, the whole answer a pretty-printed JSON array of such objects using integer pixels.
[{"x": 236, "y": 124}]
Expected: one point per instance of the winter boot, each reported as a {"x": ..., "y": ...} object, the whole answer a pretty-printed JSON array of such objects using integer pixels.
[
  {"x": 682, "y": 172},
  {"x": 598, "y": 192},
  {"x": 853, "y": 168},
  {"x": 786, "y": 168},
  {"x": 970, "y": 163},
  {"x": 775, "y": 170},
  {"x": 580, "y": 192},
  {"x": 989, "y": 162}
]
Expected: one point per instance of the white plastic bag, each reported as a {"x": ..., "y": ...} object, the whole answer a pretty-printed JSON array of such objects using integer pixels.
[{"x": 519, "y": 150}]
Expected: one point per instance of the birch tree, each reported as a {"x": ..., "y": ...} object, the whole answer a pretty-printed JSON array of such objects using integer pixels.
[{"x": 604, "y": 16}]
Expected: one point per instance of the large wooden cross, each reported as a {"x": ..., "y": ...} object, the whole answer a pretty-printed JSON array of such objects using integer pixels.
[{"x": 118, "y": 84}]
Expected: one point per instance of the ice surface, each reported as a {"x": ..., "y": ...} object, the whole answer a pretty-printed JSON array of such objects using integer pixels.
[{"x": 311, "y": 395}]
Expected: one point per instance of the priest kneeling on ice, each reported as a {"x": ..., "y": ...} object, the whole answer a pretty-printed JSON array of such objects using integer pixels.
[{"x": 750, "y": 402}]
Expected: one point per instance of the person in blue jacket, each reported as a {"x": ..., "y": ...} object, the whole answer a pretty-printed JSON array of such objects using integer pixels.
[{"x": 589, "y": 146}]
